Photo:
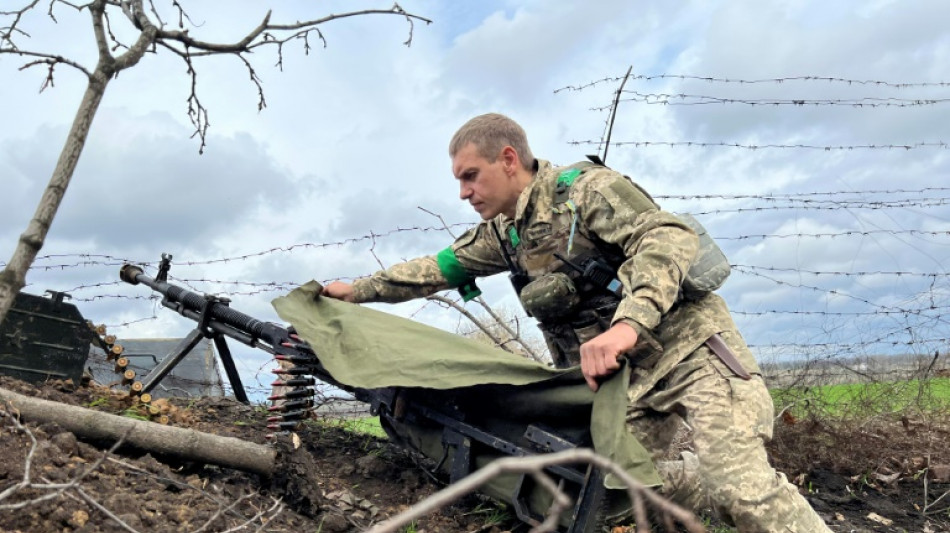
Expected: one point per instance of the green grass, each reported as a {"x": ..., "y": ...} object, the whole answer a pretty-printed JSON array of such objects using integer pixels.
[
  {"x": 848, "y": 399},
  {"x": 492, "y": 513},
  {"x": 97, "y": 402},
  {"x": 361, "y": 426},
  {"x": 133, "y": 413}
]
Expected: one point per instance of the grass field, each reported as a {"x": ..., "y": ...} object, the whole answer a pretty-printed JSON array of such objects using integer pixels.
[
  {"x": 835, "y": 401},
  {"x": 362, "y": 426},
  {"x": 852, "y": 399}
]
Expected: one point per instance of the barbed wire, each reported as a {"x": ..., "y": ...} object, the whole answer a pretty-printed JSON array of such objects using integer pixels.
[
  {"x": 833, "y": 235},
  {"x": 110, "y": 260},
  {"x": 887, "y": 339},
  {"x": 927, "y": 310},
  {"x": 898, "y": 273},
  {"x": 884, "y": 339},
  {"x": 852, "y": 203},
  {"x": 842, "y": 294},
  {"x": 97, "y": 297},
  {"x": 132, "y": 322},
  {"x": 291, "y": 284},
  {"x": 803, "y": 207},
  {"x": 270, "y": 286},
  {"x": 905, "y": 313},
  {"x": 799, "y": 195},
  {"x": 921, "y": 311},
  {"x": 87, "y": 259},
  {"x": 725, "y": 144},
  {"x": 902, "y": 312},
  {"x": 742, "y": 81},
  {"x": 273, "y": 286},
  {"x": 851, "y": 346},
  {"x": 682, "y": 99}
]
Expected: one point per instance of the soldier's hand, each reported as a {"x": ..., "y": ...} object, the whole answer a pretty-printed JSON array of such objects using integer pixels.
[
  {"x": 339, "y": 290},
  {"x": 599, "y": 355}
]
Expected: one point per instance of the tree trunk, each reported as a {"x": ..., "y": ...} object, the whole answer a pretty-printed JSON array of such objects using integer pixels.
[
  {"x": 181, "y": 443},
  {"x": 13, "y": 277}
]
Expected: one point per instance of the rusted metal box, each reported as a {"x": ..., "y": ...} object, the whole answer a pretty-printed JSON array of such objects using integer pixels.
[{"x": 44, "y": 338}]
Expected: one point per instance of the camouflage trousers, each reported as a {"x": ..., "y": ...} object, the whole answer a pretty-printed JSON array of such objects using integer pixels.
[{"x": 729, "y": 421}]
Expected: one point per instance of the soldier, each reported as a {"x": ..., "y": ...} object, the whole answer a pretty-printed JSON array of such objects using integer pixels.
[{"x": 608, "y": 275}]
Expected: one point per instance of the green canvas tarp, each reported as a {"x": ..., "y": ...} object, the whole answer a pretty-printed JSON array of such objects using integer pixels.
[{"x": 496, "y": 390}]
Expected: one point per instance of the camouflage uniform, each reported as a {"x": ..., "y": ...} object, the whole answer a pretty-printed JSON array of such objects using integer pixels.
[{"x": 602, "y": 213}]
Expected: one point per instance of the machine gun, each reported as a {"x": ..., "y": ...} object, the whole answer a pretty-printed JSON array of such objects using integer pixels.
[{"x": 462, "y": 442}]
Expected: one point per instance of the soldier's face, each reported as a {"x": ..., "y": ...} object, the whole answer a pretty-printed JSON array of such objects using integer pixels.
[{"x": 489, "y": 186}]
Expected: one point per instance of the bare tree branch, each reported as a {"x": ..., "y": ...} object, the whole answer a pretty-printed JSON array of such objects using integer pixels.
[
  {"x": 478, "y": 323},
  {"x": 512, "y": 334},
  {"x": 56, "y": 488},
  {"x": 6, "y": 32},
  {"x": 150, "y": 36},
  {"x": 275, "y": 509},
  {"x": 534, "y": 465}
]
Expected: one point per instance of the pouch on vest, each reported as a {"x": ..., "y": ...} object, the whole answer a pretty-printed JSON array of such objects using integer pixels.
[
  {"x": 550, "y": 297},
  {"x": 710, "y": 268}
]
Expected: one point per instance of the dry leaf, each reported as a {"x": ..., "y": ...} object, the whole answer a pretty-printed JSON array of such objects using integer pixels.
[
  {"x": 887, "y": 479},
  {"x": 880, "y": 519}
]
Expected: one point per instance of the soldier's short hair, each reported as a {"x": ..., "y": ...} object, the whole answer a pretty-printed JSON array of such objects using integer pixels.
[{"x": 490, "y": 133}]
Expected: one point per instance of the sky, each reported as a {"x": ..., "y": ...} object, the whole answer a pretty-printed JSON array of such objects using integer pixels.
[{"x": 807, "y": 136}]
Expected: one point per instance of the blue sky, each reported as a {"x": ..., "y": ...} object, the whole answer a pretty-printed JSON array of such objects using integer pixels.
[{"x": 353, "y": 143}]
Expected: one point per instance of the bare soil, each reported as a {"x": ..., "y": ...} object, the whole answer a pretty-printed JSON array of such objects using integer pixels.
[{"x": 339, "y": 481}]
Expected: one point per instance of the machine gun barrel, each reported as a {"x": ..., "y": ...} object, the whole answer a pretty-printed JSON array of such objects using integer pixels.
[
  {"x": 217, "y": 317},
  {"x": 195, "y": 306}
]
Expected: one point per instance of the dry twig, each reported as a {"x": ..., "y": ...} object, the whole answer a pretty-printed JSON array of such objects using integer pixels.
[
  {"x": 56, "y": 488},
  {"x": 535, "y": 465}
]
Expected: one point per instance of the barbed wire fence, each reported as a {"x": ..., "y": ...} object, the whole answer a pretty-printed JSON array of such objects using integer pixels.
[
  {"x": 871, "y": 309},
  {"x": 925, "y": 307},
  {"x": 857, "y": 348}
]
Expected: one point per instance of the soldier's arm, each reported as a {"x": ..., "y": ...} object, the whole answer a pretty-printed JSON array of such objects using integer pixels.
[
  {"x": 658, "y": 246},
  {"x": 474, "y": 254}
]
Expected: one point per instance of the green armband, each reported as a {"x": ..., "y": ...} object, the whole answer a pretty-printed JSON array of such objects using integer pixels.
[{"x": 455, "y": 274}]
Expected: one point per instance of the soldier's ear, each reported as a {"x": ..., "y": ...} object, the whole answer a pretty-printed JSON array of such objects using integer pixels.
[{"x": 510, "y": 160}]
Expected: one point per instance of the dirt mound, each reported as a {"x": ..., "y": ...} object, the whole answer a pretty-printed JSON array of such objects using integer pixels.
[{"x": 335, "y": 481}]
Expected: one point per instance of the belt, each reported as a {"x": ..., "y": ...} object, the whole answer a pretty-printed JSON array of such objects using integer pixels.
[{"x": 718, "y": 347}]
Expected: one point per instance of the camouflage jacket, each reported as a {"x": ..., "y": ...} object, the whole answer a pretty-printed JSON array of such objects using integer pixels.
[{"x": 654, "y": 247}]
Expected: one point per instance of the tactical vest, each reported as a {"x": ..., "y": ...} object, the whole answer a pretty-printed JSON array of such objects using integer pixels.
[
  {"x": 569, "y": 308},
  {"x": 548, "y": 261}
]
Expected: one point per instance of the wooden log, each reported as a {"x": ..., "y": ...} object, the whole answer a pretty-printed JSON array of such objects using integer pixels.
[{"x": 186, "y": 444}]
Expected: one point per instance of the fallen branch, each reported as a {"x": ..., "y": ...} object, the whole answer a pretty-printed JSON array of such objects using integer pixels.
[
  {"x": 534, "y": 464},
  {"x": 181, "y": 443}
]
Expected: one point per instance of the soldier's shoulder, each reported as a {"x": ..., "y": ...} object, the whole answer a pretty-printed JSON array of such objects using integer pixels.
[
  {"x": 572, "y": 174},
  {"x": 601, "y": 183},
  {"x": 598, "y": 178},
  {"x": 599, "y": 174}
]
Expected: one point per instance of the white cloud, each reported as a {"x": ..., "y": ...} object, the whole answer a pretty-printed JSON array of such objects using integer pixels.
[{"x": 354, "y": 138}]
